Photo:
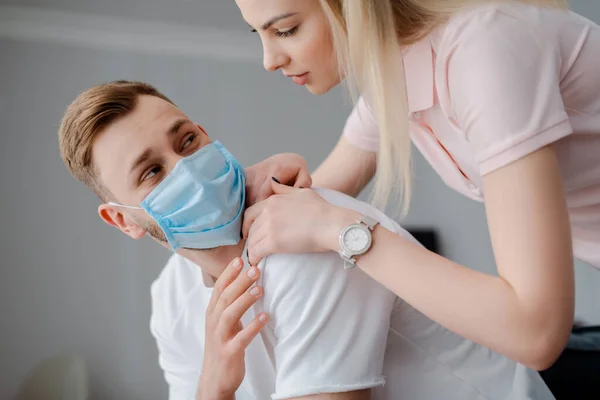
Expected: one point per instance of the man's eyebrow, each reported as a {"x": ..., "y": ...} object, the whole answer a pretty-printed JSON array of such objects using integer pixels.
[
  {"x": 270, "y": 22},
  {"x": 142, "y": 158},
  {"x": 177, "y": 125}
]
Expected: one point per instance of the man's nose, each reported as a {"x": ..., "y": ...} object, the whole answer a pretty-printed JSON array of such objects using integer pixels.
[{"x": 274, "y": 59}]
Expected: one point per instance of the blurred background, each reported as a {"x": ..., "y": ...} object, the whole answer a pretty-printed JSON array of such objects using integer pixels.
[{"x": 69, "y": 284}]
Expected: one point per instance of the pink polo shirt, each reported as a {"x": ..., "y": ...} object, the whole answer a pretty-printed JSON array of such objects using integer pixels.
[{"x": 496, "y": 83}]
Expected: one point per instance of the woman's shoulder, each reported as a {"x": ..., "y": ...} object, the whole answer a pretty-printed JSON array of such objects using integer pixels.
[{"x": 506, "y": 19}]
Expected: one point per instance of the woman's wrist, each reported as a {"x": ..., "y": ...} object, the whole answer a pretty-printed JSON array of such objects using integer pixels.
[{"x": 338, "y": 219}]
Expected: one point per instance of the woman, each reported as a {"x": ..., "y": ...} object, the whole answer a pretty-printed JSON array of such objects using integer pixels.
[{"x": 503, "y": 99}]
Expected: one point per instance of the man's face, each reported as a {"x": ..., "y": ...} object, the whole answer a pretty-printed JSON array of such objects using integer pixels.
[{"x": 135, "y": 153}]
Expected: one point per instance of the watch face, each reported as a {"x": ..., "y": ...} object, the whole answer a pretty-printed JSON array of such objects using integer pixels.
[{"x": 356, "y": 239}]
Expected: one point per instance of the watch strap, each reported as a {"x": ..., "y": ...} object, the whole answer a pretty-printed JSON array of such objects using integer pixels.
[
  {"x": 370, "y": 222},
  {"x": 349, "y": 263}
]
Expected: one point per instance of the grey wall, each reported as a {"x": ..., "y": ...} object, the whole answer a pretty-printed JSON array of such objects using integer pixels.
[{"x": 69, "y": 283}]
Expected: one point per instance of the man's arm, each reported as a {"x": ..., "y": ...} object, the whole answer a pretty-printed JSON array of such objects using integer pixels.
[{"x": 331, "y": 327}]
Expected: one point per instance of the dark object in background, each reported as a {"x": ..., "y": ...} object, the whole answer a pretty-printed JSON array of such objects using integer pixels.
[
  {"x": 576, "y": 373},
  {"x": 427, "y": 237}
]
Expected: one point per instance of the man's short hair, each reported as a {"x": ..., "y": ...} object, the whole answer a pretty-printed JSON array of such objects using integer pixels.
[{"x": 88, "y": 116}]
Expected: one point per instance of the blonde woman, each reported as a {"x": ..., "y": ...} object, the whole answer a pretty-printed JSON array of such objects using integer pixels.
[{"x": 503, "y": 99}]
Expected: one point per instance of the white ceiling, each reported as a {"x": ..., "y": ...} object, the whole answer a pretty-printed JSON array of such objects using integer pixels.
[{"x": 222, "y": 14}]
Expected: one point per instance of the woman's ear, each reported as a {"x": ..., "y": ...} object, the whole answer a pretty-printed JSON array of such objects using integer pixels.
[{"x": 113, "y": 216}]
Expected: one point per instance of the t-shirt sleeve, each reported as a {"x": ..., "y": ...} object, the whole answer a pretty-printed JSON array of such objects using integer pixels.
[
  {"x": 330, "y": 325},
  {"x": 181, "y": 377},
  {"x": 503, "y": 82},
  {"x": 361, "y": 128}
]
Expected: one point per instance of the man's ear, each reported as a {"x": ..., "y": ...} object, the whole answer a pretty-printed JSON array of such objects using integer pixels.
[{"x": 114, "y": 217}]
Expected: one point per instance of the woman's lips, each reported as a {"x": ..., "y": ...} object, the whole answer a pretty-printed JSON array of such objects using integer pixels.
[{"x": 300, "y": 79}]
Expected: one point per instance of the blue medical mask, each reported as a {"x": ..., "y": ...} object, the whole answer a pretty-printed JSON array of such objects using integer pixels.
[{"x": 200, "y": 204}]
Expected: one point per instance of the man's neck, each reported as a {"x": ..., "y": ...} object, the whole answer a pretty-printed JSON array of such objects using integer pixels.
[{"x": 213, "y": 262}]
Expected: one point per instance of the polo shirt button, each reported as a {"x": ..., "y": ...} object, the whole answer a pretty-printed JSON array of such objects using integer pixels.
[{"x": 417, "y": 115}]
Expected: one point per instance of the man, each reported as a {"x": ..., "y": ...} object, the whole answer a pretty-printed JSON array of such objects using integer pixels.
[{"x": 326, "y": 332}]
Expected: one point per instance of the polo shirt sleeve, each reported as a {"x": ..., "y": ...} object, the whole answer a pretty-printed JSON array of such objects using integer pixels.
[
  {"x": 361, "y": 128},
  {"x": 503, "y": 84},
  {"x": 330, "y": 325}
]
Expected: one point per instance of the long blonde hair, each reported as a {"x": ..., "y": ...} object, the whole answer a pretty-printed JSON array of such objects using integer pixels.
[{"x": 368, "y": 36}]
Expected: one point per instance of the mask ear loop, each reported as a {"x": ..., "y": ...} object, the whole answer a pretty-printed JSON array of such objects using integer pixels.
[{"x": 122, "y": 206}]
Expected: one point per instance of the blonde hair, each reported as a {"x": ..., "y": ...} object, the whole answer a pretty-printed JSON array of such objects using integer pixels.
[
  {"x": 89, "y": 115},
  {"x": 368, "y": 36}
]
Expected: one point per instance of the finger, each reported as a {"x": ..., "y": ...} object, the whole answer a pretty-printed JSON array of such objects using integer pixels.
[
  {"x": 236, "y": 289},
  {"x": 257, "y": 192},
  {"x": 256, "y": 235},
  {"x": 231, "y": 272},
  {"x": 265, "y": 191},
  {"x": 228, "y": 323},
  {"x": 251, "y": 191},
  {"x": 303, "y": 180},
  {"x": 259, "y": 251},
  {"x": 246, "y": 335},
  {"x": 279, "y": 188},
  {"x": 250, "y": 215}
]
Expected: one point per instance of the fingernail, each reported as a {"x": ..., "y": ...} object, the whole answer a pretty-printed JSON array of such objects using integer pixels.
[
  {"x": 254, "y": 291},
  {"x": 276, "y": 180},
  {"x": 237, "y": 264},
  {"x": 251, "y": 272},
  {"x": 262, "y": 317}
]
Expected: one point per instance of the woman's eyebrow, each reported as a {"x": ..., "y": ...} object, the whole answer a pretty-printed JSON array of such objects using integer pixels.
[{"x": 270, "y": 22}]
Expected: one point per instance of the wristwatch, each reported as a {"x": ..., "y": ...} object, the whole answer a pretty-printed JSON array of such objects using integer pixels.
[{"x": 356, "y": 239}]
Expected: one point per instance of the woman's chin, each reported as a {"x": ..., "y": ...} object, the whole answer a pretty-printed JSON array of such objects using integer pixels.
[{"x": 317, "y": 89}]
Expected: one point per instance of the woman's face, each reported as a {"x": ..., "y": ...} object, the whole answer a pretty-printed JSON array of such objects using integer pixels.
[{"x": 296, "y": 39}]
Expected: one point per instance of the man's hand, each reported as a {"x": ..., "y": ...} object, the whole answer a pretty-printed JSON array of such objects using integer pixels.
[
  {"x": 288, "y": 168},
  {"x": 226, "y": 339}
]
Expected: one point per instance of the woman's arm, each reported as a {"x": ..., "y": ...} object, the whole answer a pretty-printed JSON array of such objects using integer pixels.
[
  {"x": 527, "y": 312},
  {"x": 347, "y": 169}
]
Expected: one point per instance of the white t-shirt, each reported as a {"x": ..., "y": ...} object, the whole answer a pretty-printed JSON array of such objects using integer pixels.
[{"x": 331, "y": 330}]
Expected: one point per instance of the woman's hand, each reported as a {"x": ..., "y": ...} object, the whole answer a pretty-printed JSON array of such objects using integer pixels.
[
  {"x": 226, "y": 339},
  {"x": 288, "y": 168},
  {"x": 293, "y": 221}
]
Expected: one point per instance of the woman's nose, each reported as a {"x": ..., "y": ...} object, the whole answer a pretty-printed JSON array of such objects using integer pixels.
[{"x": 273, "y": 59}]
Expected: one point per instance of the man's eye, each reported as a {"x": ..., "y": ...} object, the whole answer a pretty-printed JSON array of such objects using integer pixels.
[
  {"x": 189, "y": 140},
  {"x": 151, "y": 173}
]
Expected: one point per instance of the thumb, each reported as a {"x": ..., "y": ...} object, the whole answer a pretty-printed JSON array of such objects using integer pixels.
[{"x": 279, "y": 188}]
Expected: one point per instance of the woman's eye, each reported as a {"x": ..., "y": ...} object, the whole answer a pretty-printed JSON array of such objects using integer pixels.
[
  {"x": 189, "y": 140},
  {"x": 151, "y": 173},
  {"x": 287, "y": 33}
]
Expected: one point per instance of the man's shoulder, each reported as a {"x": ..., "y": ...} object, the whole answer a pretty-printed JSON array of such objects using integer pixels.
[
  {"x": 320, "y": 275},
  {"x": 171, "y": 290}
]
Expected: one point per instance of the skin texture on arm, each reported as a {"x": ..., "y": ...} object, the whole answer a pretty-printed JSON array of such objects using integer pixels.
[
  {"x": 526, "y": 313},
  {"x": 347, "y": 169}
]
